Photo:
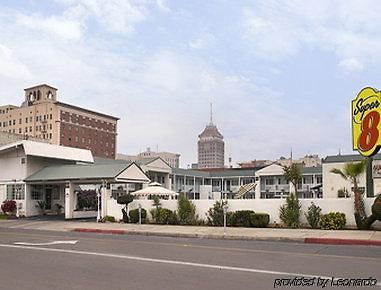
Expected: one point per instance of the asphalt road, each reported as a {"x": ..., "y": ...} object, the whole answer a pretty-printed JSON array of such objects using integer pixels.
[{"x": 31, "y": 259}]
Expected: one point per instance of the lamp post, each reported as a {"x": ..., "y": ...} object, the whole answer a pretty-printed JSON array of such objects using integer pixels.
[
  {"x": 140, "y": 214},
  {"x": 225, "y": 209},
  {"x": 98, "y": 205}
]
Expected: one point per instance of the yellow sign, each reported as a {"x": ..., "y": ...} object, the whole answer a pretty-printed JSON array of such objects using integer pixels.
[{"x": 366, "y": 125}]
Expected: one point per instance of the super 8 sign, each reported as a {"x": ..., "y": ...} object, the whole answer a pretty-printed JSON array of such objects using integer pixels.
[{"x": 366, "y": 125}]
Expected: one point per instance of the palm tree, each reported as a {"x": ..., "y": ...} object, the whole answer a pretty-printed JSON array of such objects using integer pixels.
[{"x": 352, "y": 171}]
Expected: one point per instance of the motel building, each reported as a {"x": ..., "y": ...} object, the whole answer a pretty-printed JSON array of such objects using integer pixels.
[{"x": 32, "y": 172}]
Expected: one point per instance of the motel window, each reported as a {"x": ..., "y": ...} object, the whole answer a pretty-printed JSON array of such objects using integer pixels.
[
  {"x": 36, "y": 192},
  {"x": 16, "y": 191}
]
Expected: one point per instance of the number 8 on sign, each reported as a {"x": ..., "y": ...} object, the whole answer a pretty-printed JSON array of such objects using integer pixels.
[
  {"x": 366, "y": 117},
  {"x": 369, "y": 131}
]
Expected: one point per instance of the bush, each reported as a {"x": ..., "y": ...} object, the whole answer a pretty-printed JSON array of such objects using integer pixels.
[
  {"x": 3, "y": 216},
  {"x": 8, "y": 206},
  {"x": 125, "y": 199},
  {"x": 241, "y": 218},
  {"x": 313, "y": 215},
  {"x": 376, "y": 208},
  {"x": 134, "y": 215},
  {"x": 289, "y": 213},
  {"x": 333, "y": 221},
  {"x": 109, "y": 218},
  {"x": 260, "y": 220},
  {"x": 247, "y": 218},
  {"x": 186, "y": 211},
  {"x": 164, "y": 217},
  {"x": 215, "y": 214}
]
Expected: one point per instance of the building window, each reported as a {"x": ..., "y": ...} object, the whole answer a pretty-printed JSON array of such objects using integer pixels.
[
  {"x": 36, "y": 192},
  {"x": 16, "y": 191}
]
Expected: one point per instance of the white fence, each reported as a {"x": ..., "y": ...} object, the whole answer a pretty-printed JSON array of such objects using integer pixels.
[{"x": 270, "y": 206}]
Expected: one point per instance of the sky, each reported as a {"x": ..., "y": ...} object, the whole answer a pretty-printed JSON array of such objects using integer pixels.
[{"x": 280, "y": 74}]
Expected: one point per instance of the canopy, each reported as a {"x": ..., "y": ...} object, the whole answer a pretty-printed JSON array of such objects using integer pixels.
[{"x": 154, "y": 188}]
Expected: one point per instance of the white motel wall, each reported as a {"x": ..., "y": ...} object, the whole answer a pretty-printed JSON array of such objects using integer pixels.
[{"x": 270, "y": 206}]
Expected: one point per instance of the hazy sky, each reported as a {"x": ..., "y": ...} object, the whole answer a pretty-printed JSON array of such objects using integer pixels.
[{"x": 280, "y": 74}]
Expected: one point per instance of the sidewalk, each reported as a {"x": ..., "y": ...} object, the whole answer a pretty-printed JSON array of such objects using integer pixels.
[{"x": 344, "y": 237}]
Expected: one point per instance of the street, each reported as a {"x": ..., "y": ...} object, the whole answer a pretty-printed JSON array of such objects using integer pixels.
[{"x": 33, "y": 259}]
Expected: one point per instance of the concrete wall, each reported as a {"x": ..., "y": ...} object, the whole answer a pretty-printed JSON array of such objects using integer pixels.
[
  {"x": 270, "y": 206},
  {"x": 333, "y": 182}
]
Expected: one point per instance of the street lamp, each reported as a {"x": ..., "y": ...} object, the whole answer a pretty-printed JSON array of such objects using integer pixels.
[
  {"x": 225, "y": 209},
  {"x": 98, "y": 204},
  {"x": 140, "y": 214}
]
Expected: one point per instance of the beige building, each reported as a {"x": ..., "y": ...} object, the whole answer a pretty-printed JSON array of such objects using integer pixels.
[
  {"x": 211, "y": 147},
  {"x": 173, "y": 159},
  {"x": 6, "y": 138},
  {"x": 312, "y": 160},
  {"x": 42, "y": 116}
]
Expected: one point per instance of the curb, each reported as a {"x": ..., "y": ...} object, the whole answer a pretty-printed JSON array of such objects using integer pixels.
[
  {"x": 324, "y": 241},
  {"x": 333, "y": 241},
  {"x": 183, "y": 235}
]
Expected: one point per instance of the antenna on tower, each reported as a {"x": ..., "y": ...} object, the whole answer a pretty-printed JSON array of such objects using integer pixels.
[{"x": 211, "y": 114}]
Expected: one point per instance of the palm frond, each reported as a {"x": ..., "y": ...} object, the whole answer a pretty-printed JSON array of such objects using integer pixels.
[{"x": 339, "y": 172}]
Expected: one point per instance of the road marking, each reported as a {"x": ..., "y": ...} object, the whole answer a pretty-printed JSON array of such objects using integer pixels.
[
  {"x": 172, "y": 262},
  {"x": 244, "y": 250},
  {"x": 25, "y": 225},
  {"x": 46, "y": 243}
]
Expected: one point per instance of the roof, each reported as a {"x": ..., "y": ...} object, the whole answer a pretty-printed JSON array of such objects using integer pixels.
[
  {"x": 190, "y": 172},
  {"x": 347, "y": 158},
  {"x": 210, "y": 131},
  {"x": 86, "y": 110},
  {"x": 236, "y": 172},
  {"x": 40, "y": 149},
  {"x": 72, "y": 172},
  {"x": 38, "y": 86},
  {"x": 306, "y": 170},
  {"x": 233, "y": 173}
]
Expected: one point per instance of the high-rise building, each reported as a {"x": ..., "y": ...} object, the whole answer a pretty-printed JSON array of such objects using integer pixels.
[
  {"x": 41, "y": 115},
  {"x": 211, "y": 147}
]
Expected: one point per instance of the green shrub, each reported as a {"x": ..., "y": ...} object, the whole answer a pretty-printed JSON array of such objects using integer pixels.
[
  {"x": 3, "y": 216},
  {"x": 167, "y": 216},
  {"x": 157, "y": 204},
  {"x": 215, "y": 215},
  {"x": 333, "y": 221},
  {"x": 134, "y": 215},
  {"x": 109, "y": 218},
  {"x": 186, "y": 211},
  {"x": 230, "y": 218},
  {"x": 259, "y": 220},
  {"x": 313, "y": 215},
  {"x": 376, "y": 208},
  {"x": 289, "y": 213},
  {"x": 241, "y": 218}
]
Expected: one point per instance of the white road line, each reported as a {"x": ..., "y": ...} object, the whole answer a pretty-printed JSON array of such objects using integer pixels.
[
  {"x": 25, "y": 225},
  {"x": 46, "y": 243},
  {"x": 173, "y": 262}
]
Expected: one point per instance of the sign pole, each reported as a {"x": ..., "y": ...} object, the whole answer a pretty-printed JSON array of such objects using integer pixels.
[{"x": 369, "y": 178}]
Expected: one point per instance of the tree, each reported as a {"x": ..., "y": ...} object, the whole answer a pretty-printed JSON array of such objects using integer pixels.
[
  {"x": 157, "y": 204},
  {"x": 352, "y": 172},
  {"x": 289, "y": 213},
  {"x": 293, "y": 174},
  {"x": 125, "y": 199}
]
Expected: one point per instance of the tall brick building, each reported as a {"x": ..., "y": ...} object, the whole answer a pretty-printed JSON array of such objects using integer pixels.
[{"x": 42, "y": 115}]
